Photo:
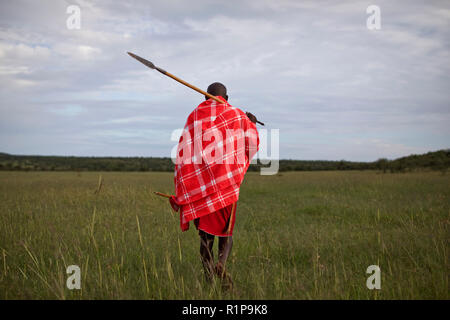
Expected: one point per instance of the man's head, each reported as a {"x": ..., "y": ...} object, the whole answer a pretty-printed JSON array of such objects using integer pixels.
[{"x": 217, "y": 89}]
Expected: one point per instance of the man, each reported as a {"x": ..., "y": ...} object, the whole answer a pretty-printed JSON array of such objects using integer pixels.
[{"x": 214, "y": 152}]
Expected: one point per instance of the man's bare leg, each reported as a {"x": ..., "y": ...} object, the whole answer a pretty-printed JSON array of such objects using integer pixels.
[
  {"x": 206, "y": 253},
  {"x": 225, "y": 245}
]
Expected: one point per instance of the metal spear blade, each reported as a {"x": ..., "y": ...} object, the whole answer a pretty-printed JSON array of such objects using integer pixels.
[{"x": 142, "y": 60}]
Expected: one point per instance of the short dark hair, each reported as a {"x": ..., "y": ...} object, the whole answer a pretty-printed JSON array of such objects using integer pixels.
[{"x": 217, "y": 89}]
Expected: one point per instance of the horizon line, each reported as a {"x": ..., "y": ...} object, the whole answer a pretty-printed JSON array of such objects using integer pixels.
[{"x": 168, "y": 157}]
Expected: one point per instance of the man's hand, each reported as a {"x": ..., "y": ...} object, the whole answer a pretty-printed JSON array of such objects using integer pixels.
[{"x": 251, "y": 117}]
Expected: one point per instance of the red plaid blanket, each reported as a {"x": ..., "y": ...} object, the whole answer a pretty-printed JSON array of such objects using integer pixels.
[{"x": 213, "y": 155}]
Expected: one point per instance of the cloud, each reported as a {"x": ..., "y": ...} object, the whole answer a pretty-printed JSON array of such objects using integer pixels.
[{"x": 334, "y": 89}]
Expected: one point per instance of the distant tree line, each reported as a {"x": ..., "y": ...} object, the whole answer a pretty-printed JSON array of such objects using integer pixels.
[{"x": 437, "y": 160}]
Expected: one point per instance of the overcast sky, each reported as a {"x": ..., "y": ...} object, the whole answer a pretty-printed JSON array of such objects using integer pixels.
[{"x": 312, "y": 69}]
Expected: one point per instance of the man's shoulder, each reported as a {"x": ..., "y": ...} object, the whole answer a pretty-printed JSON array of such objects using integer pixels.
[
  {"x": 233, "y": 111},
  {"x": 194, "y": 113},
  {"x": 228, "y": 113},
  {"x": 235, "y": 117}
]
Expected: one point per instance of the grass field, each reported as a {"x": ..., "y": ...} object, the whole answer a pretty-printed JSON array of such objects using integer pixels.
[{"x": 299, "y": 235}]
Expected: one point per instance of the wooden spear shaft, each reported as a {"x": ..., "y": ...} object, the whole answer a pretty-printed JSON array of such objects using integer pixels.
[
  {"x": 164, "y": 72},
  {"x": 191, "y": 86},
  {"x": 230, "y": 222},
  {"x": 162, "y": 194}
]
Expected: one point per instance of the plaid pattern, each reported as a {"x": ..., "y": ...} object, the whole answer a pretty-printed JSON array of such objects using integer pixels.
[{"x": 214, "y": 152}]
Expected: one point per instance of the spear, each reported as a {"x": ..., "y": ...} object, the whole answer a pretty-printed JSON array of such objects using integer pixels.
[
  {"x": 162, "y": 194},
  {"x": 164, "y": 72}
]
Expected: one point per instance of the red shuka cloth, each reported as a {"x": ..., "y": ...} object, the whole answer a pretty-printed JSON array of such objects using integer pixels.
[
  {"x": 213, "y": 155},
  {"x": 217, "y": 223}
]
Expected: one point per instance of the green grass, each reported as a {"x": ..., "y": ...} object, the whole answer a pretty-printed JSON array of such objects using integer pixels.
[{"x": 299, "y": 235}]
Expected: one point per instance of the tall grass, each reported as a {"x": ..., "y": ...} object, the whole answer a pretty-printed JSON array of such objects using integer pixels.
[{"x": 308, "y": 235}]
